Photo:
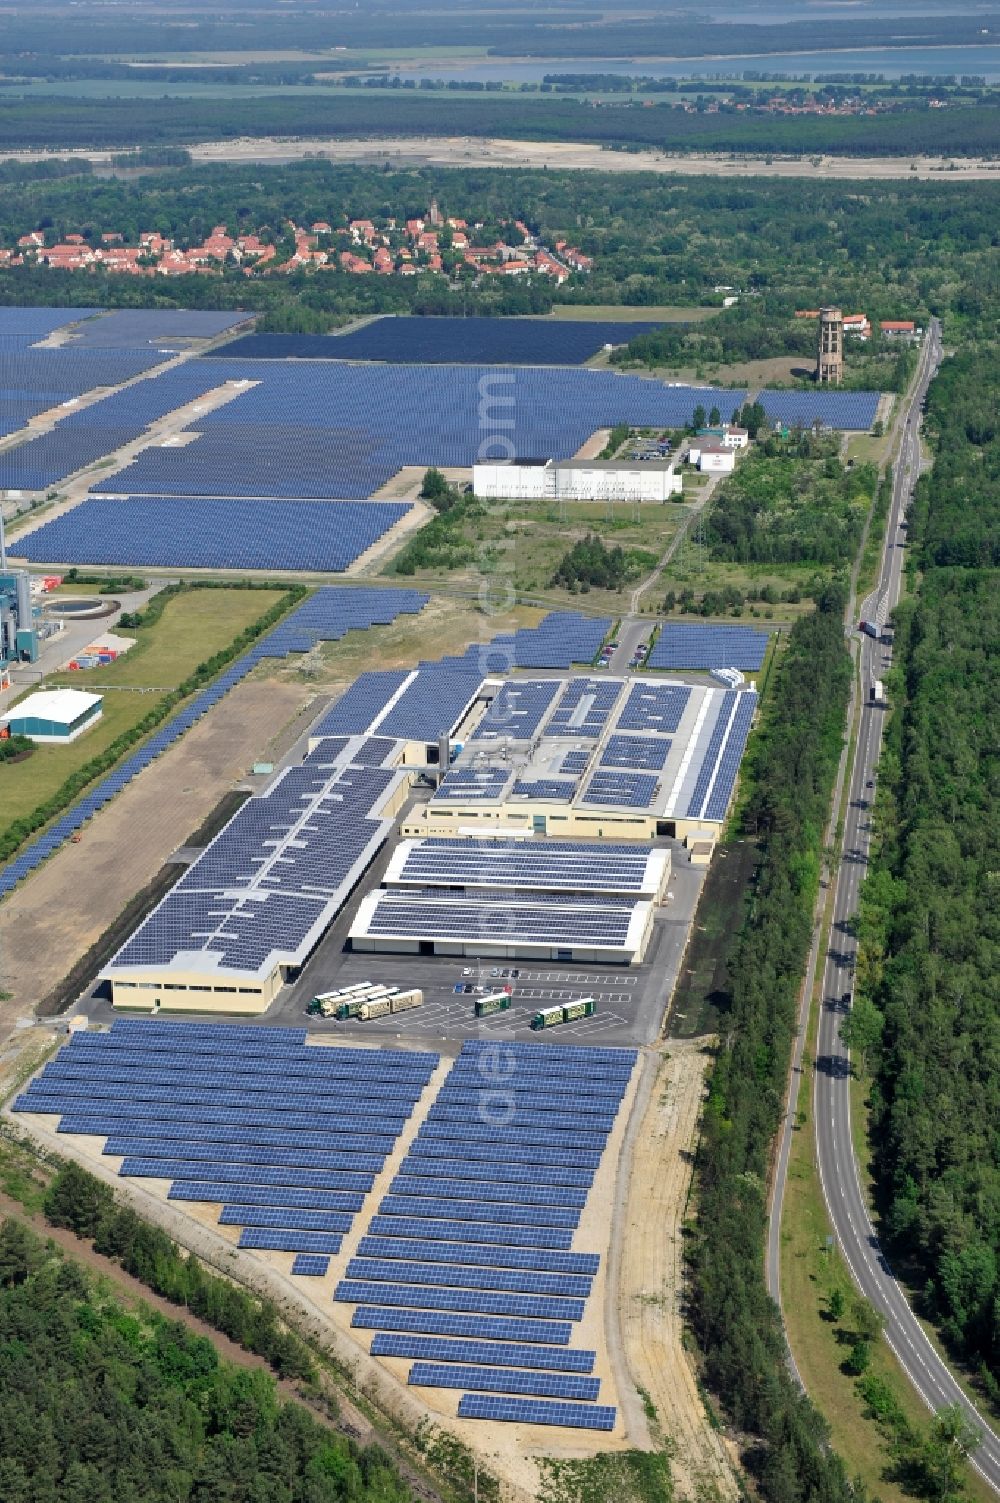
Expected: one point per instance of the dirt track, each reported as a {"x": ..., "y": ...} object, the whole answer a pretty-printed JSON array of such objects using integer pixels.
[{"x": 652, "y": 1272}]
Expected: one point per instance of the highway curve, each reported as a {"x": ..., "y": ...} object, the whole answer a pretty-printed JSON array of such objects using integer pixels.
[{"x": 845, "y": 1200}]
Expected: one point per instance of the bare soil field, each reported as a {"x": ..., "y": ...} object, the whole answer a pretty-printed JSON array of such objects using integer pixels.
[
  {"x": 652, "y": 1275},
  {"x": 563, "y": 156},
  {"x": 54, "y": 917}
]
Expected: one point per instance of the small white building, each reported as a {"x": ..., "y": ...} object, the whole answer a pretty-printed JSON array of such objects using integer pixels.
[
  {"x": 712, "y": 458},
  {"x": 579, "y": 480},
  {"x": 53, "y": 716}
]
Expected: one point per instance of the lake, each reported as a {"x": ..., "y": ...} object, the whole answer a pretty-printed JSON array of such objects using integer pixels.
[{"x": 892, "y": 62}]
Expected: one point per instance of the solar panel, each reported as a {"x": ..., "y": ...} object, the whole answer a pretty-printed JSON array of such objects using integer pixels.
[
  {"x": 258, "y": 1237},
  {"x": 497, "y": 1354},
  {"x": 536, "y": 1412},
  {"x": 448, "y": 1323},
  {"x": 280, "y": 1216},
  {"x": 850, "y": 410},
  {"x": 442, "y": 340},
  {"x": 404, "y": 1248},
  {"x": 472, "y": 1301},
  {"x": 309, "y": 1265},
  {"x": 431, "y": 1229},
  {"x": 497, "y": 1380},
  {"x": 705, "y": 647},
  {"x": 460, "y": 1210},
  {"x": 450, "y": 1275}
]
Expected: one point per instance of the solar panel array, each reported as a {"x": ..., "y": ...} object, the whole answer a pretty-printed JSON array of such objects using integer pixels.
[
  {"x": 318, "y": 537},
  {"x": 654, "y": 707},
  {"x": 638, "y": 752},
  {"x": 555, "y": 866},
  {"x": 849, "y": 410},
  {"x": 444, "y": 340},
  {"x": 325, "y": 616},
  {"x": 726, "y": 763},
  {"x": 625, "y": 790},
  {"x": 89, "y": 432},
  {"x": 518, "y": 710},
  {"x": 36, "y": 323},
  {"x": 474, "y": 782},
  {"x": 271, "y": 881},
  {"x": 429, "y": 701},
  {"x": 334, "y": 428},
  {"x": 466, "y": 1267},
  {"x": 131, "y": 328},
  {"x": 128, "y": 1085},
  {"x": 541, "y": 919},
  {"x": 709, "y": 647},
  {"x": 584, "y": 708}
]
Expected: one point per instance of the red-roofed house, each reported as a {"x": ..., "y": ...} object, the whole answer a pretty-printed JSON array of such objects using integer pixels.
[{"x": 898, "y": 328}]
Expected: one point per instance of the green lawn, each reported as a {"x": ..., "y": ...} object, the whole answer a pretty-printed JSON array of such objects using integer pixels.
[{"x": 193, "y": 627}]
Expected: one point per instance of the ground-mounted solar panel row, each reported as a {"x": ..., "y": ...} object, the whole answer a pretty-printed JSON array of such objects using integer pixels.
[
  {"x": 253, "y": 1187},
  {"x": 848, "y": 410},
  {"x": 447, "y": 340},
  {"x": 456, "y": 1253},
  {"x": 318, "y": 537},
  {"x": 685, "y": 646}
]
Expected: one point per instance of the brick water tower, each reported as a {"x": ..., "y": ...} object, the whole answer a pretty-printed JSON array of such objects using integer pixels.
[{"x": 830, "y": 364}]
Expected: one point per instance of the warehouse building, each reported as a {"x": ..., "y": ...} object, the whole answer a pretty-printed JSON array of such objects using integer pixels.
[
  {"x": 53, "y": 716},
  {"x": 586, "y": 758},
  {"x": 578, "y": 480}
]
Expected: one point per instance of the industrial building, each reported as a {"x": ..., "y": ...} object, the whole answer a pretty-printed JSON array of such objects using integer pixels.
[
  {"x": 578, "y": 480},
  {"x": 595, "y": 758},
  {"x": 539, "y": 839},
  {"x": 18, "y": 631},
  {"x": 53, "y": 716},
  {"x": 712, "y": 456}
]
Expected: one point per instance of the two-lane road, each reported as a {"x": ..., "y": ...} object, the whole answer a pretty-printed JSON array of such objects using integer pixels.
[{"x": 838, "y": 1168}]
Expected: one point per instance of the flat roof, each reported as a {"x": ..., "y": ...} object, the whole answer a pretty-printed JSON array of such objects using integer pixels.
[
  {"x": 274, "y": 878},
  {"x": 613, "y": 466},
  {"x": 62, "y": 705}
]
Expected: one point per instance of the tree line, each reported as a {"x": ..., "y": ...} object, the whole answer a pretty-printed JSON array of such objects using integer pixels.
[
  {"x": 737, "y": 1325},
  {"x": 926, "y": 995},
  {"x": 103, "y": 1404}
]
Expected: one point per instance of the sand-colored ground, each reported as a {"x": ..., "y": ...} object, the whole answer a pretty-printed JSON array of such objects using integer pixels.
[
  {"x": 53, "y": 918},
  {"x": 562, "y": 156},
  {"x": 651, "y": 1255}
]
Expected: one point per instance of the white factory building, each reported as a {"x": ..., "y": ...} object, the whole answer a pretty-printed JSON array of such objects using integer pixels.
[{"x": 578, "y": 480}]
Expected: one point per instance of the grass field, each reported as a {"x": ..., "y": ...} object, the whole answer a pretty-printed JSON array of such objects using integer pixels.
[
  {"x": 629, "y": 314},
  {"x": 522, "y": 542},
  {"x": 444, "y": 627},
  {"x": 193, "y": 627}
]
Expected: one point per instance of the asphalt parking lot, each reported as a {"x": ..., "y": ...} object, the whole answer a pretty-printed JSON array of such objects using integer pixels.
[{"x": 630, "y": 1000}]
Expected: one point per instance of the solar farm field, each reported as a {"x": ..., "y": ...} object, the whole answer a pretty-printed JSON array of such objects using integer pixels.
[
  {"x": 329, "y": 428},
  {"x": 848, "y": 410},
  {"x": 472, "y": 1272},
  {"x": 199, "y": 532},
  {"x": 450, "y": 341}
]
